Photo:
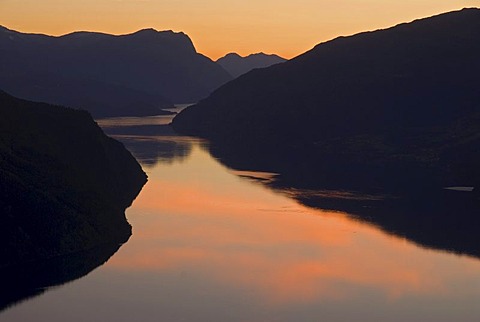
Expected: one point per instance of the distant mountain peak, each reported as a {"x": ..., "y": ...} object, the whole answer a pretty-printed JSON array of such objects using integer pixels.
[
  {"x": 237, "y": 65},
  {"x": 150, "y": 34},
  {"x": 83, "y": 34},
  {"x": 155, "y": 32},
  {"x": 232, "y": 54},
  {"x": 142, "y": 33},
  {"x": 148, "y": 30},
  {"x": 259, "y": 54},
  {"x": 264, "y": 54}
]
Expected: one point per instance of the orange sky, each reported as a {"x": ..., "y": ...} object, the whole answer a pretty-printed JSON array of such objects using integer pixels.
[{"x": 218, "y": 26}]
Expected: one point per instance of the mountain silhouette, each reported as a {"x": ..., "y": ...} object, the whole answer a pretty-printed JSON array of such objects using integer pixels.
[
  {"x": 237, "y": 65},
  {"x": 64, "y": 185},
  {"x": 135, "y": 74},
  {"x": 396, "y": 108}
]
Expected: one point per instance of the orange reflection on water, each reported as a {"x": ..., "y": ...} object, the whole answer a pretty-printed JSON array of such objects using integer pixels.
[{"x": 196, "y": 217}]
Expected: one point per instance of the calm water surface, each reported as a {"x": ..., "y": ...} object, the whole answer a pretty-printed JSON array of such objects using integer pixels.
[{"x": 211, "y": 244}]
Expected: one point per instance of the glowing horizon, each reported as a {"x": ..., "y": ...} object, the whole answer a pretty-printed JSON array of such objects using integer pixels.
[{"x": 216, "y": 27}]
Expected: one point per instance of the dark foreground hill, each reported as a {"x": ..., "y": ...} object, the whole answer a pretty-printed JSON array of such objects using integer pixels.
[
  {"x": 134, "y": 74},
  {"x": 396, "y": 108},
  {"x": 64, "y": 185},
  {"x": 237, "y": 65}
]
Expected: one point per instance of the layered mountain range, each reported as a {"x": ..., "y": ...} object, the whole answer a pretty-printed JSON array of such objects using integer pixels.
[{"x": 108, "y": 75}]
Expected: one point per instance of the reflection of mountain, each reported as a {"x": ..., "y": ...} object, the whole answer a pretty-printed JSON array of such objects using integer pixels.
[
  {"x": 22, "y": 282},
  {"x": 369, "y": 106},
  {"x": 152, "y": 150},
  {"x": 436, "y": 218},
  {"x": 445, "y": 219},
  {"x": 237, "y": 65},
  {"x": 150, "y": 144},
  {"x": 108, "y": 75}
]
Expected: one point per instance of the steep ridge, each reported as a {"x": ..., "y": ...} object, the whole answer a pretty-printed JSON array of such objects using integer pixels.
[
  {"x": 403, "y": 100},
  {"x": 64, "y": 185}
]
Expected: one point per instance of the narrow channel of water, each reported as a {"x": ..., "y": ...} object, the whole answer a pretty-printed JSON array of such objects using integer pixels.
[{"x": 211, "y": 244}]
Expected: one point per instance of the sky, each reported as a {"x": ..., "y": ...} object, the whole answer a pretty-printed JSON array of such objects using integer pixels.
[{"x": 217, "y": 27}]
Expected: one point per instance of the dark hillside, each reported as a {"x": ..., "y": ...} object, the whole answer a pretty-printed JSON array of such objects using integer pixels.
[
  {"x": 361, "y": 108},
  {"x": 64, "y": 185}
]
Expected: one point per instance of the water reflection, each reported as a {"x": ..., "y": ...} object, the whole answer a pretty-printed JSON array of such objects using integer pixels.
[
  {"x": 220, "y": 248},
  {"x": 26, "y": 281},
  {"x": 150, "y": 139},
  {"x": 437, "y": 218},
  {"x": 210, "y": 245},
  {"x": 150, "y": 150}
]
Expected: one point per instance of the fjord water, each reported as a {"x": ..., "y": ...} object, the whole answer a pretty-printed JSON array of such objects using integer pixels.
[{"x": 213, "y": 244}]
